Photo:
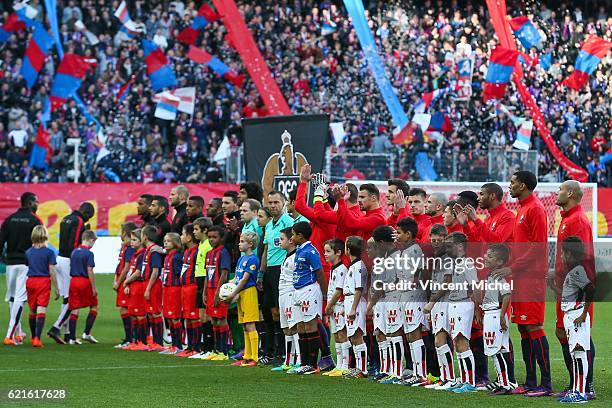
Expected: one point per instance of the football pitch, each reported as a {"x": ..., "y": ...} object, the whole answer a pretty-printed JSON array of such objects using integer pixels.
[{"x": 98, "y": 375}]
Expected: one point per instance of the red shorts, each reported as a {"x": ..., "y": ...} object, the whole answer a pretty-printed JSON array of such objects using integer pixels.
[
  {"x": 220, "y": 311},
  {"x": 136, "y": 302},
  {"x": 154, "y": 303},
  {"x": 121, "y": 298},
  {"x": 172, "y": 302},
  {"x": 39, "y": 290},
  {"x": 528, "y": 313},
  {"x": 561, "y": 314},
  {"x": 188, "y": 301},
  {"x": 80, "y": 294}
]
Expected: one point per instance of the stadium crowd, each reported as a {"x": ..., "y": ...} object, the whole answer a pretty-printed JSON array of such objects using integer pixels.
[{"x": 317, "y": 72}]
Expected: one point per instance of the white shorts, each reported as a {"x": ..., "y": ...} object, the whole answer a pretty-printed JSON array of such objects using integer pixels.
[
  {"x": 360, "y": 316},
  {"x": 337, "y": 320},
  {"x": 16, "y": 276},
  {"x": 414, "y": 316},
  {"x": 286, "y": 307},
  {"x": 460, "y": 316},
  {"x": 579, "y": 335},
  {"x": 394, "y": 314},
  {"x": 308, "y": 302},
  {"x": 379, "y": 316},
  {"x": 63, "y": 275},
  {"x": 495, "y": 340},
  {"x": 439, "y": 317}
]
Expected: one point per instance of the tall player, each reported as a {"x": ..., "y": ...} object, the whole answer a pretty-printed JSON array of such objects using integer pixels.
[
  {"x": 71, "y": 230},
  {"x": 178, "y": 200},
  {"x": 528, "y": 269},
  {"x": 498, "y": 226},
  {"x": 16, "y": 232},
  {"x": 573, "y": 223}
]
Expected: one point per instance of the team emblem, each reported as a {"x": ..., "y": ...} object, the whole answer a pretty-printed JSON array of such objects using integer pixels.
[
  {"x": 288, "y": 312},
  {"x": 392, "y": 316},
  {"x": 409, "y": 315},
  {"x": 305, "y": 305},
  {"x": 489, "y": 338},
  {"x": 493, "y": 226},
  {"x": 522, "y": 218},
  {"x": 281, "y": 171}
]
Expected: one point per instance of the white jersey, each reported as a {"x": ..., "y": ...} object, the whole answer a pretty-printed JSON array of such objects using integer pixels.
[
  {"x": 356, "y": 277},
  {"x": 285, "y": 282},
  {"x": 412, "y": 264},
  {"x": 336, "y": 281}
]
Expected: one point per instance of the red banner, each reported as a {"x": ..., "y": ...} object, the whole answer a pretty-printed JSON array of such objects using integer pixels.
[
  {"x": 254, "y": 62},
  {"x": 115, "y": 203}
]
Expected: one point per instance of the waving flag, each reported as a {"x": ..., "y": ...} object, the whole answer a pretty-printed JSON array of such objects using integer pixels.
[
  {"x": 328, "y": 27},
  {"x": 187, "y": 99},
  {"x": 37, "y": 51},
  {"x": 593, "y": 50},
  {"x": 160, "y": 73},
  {"x": 91, "y": 37},
  {"x": 429, "y": 98},
  {"x": 70, "y": 73},
  {"x": 41, "y": 151},
  {"x": 437, "y": 122},
  {"x": 523, "y": 138},
  {"x": 12, "y": 25},
  {"x": 124, "y": 16},
  {"x": 167, "y": 105},
  {"x": 526, "y": 32},
  {"x": 125, "y": 89},
  {"x": 206, "y": 15},
  {"x": 202, "y": 57},
  {"x": 546, "y": 61},
  {"x": 501, "y": 66}
]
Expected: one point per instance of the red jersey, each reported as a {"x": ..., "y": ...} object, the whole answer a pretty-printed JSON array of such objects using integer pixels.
[
  {"x": 575, "y": 222},
  {"x": 136, "y": 263},
  {"x": 125, "y": 256},
  {"x": 365, "y": 223},
  {"x": 530, "y": 250},
  {"x": 189, "y": 264},
  {"x": 324, "y": 212},
  {"x": 150, "y": 261},
  {"x": 424, "y": 223},
  {"x": 217, "y": 259},
  {"x": 402, "y": 213},
  {"x": 321, "y": 230},
  {"x": 497, "y": 227},
  {"x": 171, "y": 273}
]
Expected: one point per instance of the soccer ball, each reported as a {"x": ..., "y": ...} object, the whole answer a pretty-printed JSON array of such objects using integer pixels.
[{"x": 226, "y": 290}]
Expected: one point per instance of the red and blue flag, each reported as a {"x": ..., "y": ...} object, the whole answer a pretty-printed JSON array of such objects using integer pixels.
[
  {"x": 159, "y": 71},
  {"x": 440, "y": 122},
  {"x": 70, "y": 73},
  {"x": 593, "y": 51},
  {"x": 202, "y": 57},
  {"x": 526, "y": 32},
  {"x": 37, "y": 51},
  {"x": 501, "y": 66},
  {"x": 41, "y": 150},
  {"x": 206, "y": 15},
  {"x": 14, "y": 23}
]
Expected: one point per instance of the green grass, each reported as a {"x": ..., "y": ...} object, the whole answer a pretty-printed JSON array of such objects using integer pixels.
[{"x": 98, "y": 375}]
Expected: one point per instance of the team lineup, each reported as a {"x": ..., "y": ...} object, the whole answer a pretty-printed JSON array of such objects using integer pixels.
[{"x": 406, "y": 296}]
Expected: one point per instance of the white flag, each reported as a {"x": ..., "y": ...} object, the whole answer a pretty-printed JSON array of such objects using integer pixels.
[
  {"x": 338, "y": 132},
  {"x": 523, "y": 137},
  {"x": 223, "y": 152},
  {"x": 167, "y": 105},
  {"x": 187, "y": 99}
]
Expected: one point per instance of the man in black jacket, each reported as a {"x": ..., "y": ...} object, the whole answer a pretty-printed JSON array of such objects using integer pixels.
[
  {"x": 178, "y": 200},
  {"x": 71, "y": 229},
  {"x": 142, "y": 208},
  {"x": 16, "y": 233},
  {"x": 159, "y": 213},
  {"x": 195, "y": 205}
]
